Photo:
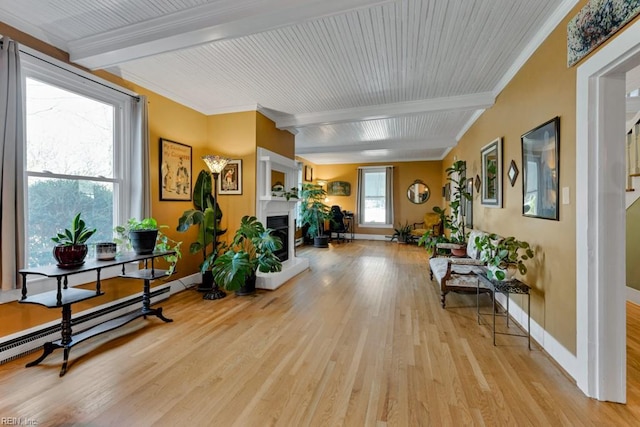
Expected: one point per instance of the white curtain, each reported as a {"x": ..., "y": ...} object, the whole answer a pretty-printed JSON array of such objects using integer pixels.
[
  {"x": 389, "y": 196},
  {"x": 140, "y": 194},
  {"x": 11, "y": 165}
]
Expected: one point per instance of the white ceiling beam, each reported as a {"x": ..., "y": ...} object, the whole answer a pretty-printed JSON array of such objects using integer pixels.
[
  {"x": 207, "y": 23},
  {"x": 477, "y": 101},
  {"x": 420, "y": 144}
]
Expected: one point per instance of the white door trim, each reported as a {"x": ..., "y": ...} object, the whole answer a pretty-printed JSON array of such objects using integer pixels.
[{"x": 600, "y": 218}]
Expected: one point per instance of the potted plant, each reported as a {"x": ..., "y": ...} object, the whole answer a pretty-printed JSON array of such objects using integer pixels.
[
  {"x": 402, "y": 233},
  {"x": 71, "y": 248},
  {"x": 144, "y": 236},
  {"x": 206, "y": 218},
  {"x": 454, "y": 222},
  {"x": 504, "y": 257},
  {"x": 313, "y": 213},
  {"x": 251, "y": 249}
]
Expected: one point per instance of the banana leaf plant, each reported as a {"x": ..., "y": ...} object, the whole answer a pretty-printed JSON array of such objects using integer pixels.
[{"x": 205, "y": 217}]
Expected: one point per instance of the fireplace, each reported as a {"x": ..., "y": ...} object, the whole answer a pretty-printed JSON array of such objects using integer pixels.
[
  {"x": 280, "y": 226},
  {"x": 277, "y": 213}
]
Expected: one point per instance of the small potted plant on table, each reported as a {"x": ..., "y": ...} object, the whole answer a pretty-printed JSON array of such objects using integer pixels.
[
  {"x": 144, "y": 237},
  {"x": 504, "y": 257},
  {"x": 71, "y": 248}
]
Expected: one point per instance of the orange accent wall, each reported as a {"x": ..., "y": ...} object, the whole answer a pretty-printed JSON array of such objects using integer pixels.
[{"x": 274, "y": 139}]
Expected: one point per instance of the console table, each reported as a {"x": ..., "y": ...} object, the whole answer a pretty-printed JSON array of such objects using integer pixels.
[
  {"x": 64, "y": 296},
  {"x": 506, "y": 288}
]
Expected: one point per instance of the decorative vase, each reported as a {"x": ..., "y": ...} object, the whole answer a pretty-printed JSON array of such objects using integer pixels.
[
  {"x": 105, "y": 251},
  {"x": 143, "y": 241},
  {"x": 69, "y": 256}
]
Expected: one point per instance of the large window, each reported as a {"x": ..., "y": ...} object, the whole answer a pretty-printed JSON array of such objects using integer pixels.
[
  {"x": 74, "y": 144},
  {"x": 375, "y": 196}
]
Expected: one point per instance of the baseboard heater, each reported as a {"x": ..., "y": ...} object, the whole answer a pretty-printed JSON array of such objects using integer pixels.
[{"x": 33, "y": 341}]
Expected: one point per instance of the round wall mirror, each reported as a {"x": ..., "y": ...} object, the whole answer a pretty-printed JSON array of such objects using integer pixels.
[{"x": 418, "y": 192}]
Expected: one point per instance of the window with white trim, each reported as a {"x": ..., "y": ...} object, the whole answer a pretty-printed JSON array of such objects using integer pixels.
[
  {"x": 75, "y": 140},
  {"x": 375, "y": 196}
]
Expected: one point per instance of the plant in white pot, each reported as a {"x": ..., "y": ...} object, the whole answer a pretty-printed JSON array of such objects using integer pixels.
[{"x": 504, "y": 256}]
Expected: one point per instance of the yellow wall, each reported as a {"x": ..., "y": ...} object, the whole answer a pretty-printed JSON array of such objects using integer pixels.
[
  {"x": 633, "y": 245},
  {"x": 274, "y": 139},
  {"x": 234, "y": 135},
  {"x": 544, "y": 88},
  {"x": 404, "y": 174}
]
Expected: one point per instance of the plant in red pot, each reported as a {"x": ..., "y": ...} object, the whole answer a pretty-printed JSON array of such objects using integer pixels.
[{"x": 71, "y": 248}]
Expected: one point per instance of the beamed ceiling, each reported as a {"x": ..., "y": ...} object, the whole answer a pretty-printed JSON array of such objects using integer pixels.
[{"x": 354, "y": 80}]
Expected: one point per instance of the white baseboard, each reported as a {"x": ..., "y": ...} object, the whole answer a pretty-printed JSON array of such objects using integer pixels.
[
  {"x": 633, "y": 295},
  {"x": 566, "y": 359}
]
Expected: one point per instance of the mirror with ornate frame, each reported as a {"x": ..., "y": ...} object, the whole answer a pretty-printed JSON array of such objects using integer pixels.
[{"x": 418, "y": 192}]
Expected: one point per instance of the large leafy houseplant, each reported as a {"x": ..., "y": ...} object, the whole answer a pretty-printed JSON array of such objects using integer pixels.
[
  {"x": 313, "y": 212},
  {"x": 454, "y": 221},
  {"x": 207, "y": 218},
  {"x": 402, "y": 232},
  {"x": 503, "y": 256},
  {"x": 252, "y": 248}
]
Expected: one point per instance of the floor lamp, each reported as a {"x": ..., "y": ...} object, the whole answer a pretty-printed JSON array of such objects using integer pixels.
[{"x": 216, "y": 164}]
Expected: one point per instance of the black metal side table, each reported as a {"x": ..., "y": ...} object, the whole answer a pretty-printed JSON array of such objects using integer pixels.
[{"x": 506, "y": 288}]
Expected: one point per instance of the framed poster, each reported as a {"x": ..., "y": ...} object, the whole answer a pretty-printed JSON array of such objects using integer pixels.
[
  {"x": 230, "y": 179},
  {"x": 175, "y": 171},
  {"x": 308, "y": 173},
  {"x": 541, "y": 170},
  {"x": 339, "y": 188}
]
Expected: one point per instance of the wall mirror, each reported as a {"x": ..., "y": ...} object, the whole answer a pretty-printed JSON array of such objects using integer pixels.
[
  {"x": 491, "y": 161},
  {"x": 418, "y": 192},
  {"x": 541, "y": 170}
]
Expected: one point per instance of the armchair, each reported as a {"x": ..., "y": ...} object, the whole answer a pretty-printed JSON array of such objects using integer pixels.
[
  {"x": 431, "y": 221},
  {"x": 455, "y": 274}
]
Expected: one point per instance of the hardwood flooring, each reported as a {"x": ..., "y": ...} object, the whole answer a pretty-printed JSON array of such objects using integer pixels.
[{"x": 359, "y": 339}]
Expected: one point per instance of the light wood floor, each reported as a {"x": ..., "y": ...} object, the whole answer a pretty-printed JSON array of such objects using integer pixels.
[{"x": 360, "y": 339}]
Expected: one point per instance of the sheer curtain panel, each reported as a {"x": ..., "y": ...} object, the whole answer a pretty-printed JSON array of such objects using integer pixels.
[{"x": 12, "y": 164}]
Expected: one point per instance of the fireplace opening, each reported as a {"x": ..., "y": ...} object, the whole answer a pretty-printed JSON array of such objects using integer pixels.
[{"x": 280, "y": 226}]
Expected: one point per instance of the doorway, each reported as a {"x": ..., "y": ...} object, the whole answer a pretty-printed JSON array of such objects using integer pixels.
[{"x": 600, "y": 226}]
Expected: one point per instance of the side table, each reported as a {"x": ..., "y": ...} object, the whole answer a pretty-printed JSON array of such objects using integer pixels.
[{"x": 506, "y": 288}]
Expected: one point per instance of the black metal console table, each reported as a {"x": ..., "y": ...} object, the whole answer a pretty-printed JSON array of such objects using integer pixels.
[
  {"x": 506, "y": 288},
  {"x": 64, "y": 296}
]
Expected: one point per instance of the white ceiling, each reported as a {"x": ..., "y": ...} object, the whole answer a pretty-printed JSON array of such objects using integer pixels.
[{"x": 354, "y": 80}]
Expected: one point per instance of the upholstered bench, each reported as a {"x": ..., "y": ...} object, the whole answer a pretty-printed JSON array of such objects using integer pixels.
[{"x": 455, "y": 274}]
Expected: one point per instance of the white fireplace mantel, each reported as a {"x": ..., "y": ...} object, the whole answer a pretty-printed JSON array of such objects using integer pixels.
[{"x": 270, "y": 205}]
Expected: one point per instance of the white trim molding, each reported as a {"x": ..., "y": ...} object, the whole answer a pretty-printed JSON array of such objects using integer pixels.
[{"x": 600, "y": 226}]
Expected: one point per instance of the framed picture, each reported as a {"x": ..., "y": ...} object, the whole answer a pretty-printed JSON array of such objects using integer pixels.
[
  {"x": 230, "y": 179},
  {"x": 491, "y": 161},
  {"x": 339, "y": 188},
  {"x": 175, "y": 171},
  {"x": 308, "y": 173},
  {"x": 541, "y": 170}
]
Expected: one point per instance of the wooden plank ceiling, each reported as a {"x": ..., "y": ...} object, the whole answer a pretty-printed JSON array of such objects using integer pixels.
[{"x": 355, "y": 80}]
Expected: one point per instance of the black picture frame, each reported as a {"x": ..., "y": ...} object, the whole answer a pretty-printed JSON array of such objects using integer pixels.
[
  {"x": 513, "y": 172},
  {"x": 541, "y": 171},
  {"x": 175, "y": 171},
  {"x": 308, "y": 173}
]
